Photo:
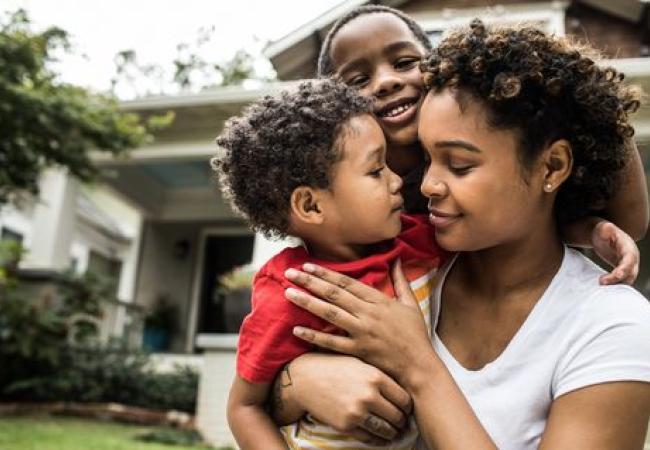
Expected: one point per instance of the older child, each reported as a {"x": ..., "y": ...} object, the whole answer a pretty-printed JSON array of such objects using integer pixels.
[
  {"x": 312, "y": 164},
  {"x": 377, "y": 50}
]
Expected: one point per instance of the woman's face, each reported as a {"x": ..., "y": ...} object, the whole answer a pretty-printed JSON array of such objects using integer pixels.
[
  {"x": 378, "y": 54},
  {"x": 478, "y": 197}
]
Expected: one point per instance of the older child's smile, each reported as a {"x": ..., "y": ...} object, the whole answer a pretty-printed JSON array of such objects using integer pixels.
[{"x": 398, "y": 112}]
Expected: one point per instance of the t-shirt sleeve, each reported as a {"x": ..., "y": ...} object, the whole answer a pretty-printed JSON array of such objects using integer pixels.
[
  {"x": 266, "y": 342},
  {"x": 610, "y": 343}
]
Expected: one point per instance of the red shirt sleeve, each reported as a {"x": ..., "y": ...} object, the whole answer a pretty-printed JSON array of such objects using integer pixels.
[{"x": 266, "y": 342}]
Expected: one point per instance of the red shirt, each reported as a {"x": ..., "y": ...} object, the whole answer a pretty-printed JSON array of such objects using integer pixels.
[{"x": 266, "y": 342}]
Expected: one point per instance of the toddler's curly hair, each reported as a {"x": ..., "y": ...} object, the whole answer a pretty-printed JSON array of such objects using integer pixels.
[
  {"x": 280, "y": 143},
  {"x": 546, "y": 88}
]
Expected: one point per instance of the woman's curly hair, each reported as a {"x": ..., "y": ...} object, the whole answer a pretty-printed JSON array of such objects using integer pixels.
[
  {"x": 325, "y": 66},
  {"x": 280, "y": 143},
  {"x": 546, "y": 88}
]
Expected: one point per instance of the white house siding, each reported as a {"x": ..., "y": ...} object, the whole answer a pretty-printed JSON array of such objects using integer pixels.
[{"x": 216, "y": 376}]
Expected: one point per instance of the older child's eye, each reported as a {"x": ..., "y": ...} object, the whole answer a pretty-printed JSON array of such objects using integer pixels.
[
  {"x": 406, "y": 63},
  {"x": 357, "y": 81},
  {"x": 377, "y": 172}
]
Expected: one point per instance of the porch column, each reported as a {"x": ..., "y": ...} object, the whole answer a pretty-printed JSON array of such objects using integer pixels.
[
  {"x": 53, "y": 222},
  {"x": 129, "y": 275}
]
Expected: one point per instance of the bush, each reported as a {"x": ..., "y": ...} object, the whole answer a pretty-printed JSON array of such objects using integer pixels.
[
  {"x": 109, "y": 375},
  {"x": 38, "y": 361}
]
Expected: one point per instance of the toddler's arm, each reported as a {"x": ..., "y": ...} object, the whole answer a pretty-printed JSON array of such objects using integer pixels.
[{"x": 248, "y": 420}]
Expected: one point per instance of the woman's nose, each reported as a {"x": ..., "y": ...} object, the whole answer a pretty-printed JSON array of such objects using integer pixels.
[{"x": 433, "y": 187}]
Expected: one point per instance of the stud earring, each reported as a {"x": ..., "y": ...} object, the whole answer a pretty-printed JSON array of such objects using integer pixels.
[{"x": 548, "y": 187}]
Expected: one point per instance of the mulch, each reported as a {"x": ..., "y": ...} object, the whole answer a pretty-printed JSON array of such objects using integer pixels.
[{"x": 103, "y": 411}]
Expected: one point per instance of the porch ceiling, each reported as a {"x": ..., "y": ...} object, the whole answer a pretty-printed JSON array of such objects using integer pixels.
[{"x": 169, "y": 191}]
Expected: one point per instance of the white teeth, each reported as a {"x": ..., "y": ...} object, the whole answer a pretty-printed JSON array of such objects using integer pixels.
[{"x": 397, "y": 110}]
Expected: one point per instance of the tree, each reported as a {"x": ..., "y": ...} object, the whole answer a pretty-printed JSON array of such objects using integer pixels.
[
  {"x": 190, "y": 70},
  {"x": 45, "y": 122}
]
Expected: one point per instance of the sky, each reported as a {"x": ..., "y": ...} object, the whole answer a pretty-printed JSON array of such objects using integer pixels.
[{"x": 153, "y": 28}]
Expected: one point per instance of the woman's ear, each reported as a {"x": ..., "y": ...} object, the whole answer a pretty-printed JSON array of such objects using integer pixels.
[
  {"x": 306, "y": 206},
  {"x": 557, "y": 160}
]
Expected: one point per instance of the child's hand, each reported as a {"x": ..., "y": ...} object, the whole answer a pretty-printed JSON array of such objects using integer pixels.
[{"x": 618, "y": 249}]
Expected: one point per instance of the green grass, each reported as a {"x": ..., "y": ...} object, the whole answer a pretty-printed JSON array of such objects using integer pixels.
[{"x": 63, "y": 433}]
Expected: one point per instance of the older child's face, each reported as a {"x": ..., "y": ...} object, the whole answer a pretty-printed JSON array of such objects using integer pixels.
[
  {"x": 478, "y": 198},
  {"x": 363, "y": 204},
  {"x": 378, "y": 54}
]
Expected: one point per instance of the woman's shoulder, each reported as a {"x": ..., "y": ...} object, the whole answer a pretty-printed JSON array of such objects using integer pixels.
[
  {"x": 599, "y": 302},
  {"x": 604, "y": 331}
]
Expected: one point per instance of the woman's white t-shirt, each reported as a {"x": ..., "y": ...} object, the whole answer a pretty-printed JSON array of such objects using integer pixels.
[{"x": 578, "y": 334}]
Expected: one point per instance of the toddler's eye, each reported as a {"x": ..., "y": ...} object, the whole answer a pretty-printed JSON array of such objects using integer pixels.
[{"x": 377, "y": 172}]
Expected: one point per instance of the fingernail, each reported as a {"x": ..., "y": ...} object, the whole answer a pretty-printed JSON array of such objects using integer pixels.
[
  {"x": 307, "y": 267},
  {"x": 291, "y": 273},
  {"x": 291, "y": 293},
  {"x": 298, "y": 331}
]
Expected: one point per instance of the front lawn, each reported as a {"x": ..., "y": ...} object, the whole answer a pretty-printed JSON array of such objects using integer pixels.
[{"x": 63, "y": 433}]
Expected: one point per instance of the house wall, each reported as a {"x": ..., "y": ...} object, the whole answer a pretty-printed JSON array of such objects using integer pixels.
[
  {"x": 615, "y": 37},
  {"x": 422, "y": 6},
  {"x": 163, "y": 273}
]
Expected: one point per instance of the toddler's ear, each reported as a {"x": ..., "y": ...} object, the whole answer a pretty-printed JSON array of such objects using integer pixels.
[{"x": 306, "y": 206}]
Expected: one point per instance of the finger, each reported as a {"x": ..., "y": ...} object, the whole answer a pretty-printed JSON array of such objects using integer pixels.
[
  {"x": 341, "y": 344},
  {"x": 366, "y": 437},
  {"x": 403, "y": 291},
  {"x": 627, "y": 267},
  {"x": 390, "y": 413},
  {"x": 379, "y": 427},
  {"x": 332, "y": 313},
  {"x": 355, "y": 287},
  {"x": 396, "y": 395},
  {"x": 325, "y": 290}
]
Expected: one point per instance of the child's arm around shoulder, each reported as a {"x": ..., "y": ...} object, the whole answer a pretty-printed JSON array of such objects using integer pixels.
[
  {"x": 628, "y": 210},
  {"x": 249, "y": 422}
]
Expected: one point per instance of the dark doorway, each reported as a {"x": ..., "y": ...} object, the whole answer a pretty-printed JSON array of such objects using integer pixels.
[{"x": 219, "y": 313}]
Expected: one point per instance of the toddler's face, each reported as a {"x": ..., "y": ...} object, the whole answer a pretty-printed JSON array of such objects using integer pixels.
[
  {"x": 363, "y": 204},
  {"x": 378, "y": 54}
]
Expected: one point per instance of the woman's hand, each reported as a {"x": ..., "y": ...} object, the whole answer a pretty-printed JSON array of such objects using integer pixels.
[
  {"x": 387, "y": 333},
  {"x": 618, "y": 249},
  {"x": 347, "y": 394}
]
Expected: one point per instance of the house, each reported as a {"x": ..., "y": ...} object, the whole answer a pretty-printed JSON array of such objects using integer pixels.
[{"x": 170, "y": 235}]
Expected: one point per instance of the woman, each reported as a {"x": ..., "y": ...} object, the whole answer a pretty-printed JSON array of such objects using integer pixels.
[{"x": 522, "y": 133}]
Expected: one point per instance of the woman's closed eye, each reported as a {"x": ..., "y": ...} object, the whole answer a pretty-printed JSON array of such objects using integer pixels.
[{"x": 461, "y": 169}]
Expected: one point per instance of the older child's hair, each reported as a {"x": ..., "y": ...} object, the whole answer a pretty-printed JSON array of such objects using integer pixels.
[
  {"x": 546, "y": 88},
  {"x": 280, "y": 143},
  {"x": 325, "y": 66}
]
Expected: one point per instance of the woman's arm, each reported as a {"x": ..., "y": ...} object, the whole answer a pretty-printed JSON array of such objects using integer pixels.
[
  {"x": 249, "y": 422},
  {"x": 344, "y": 392},
  {"x": 607, "y": 416},
  {"x": 392, "y": 336}
]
